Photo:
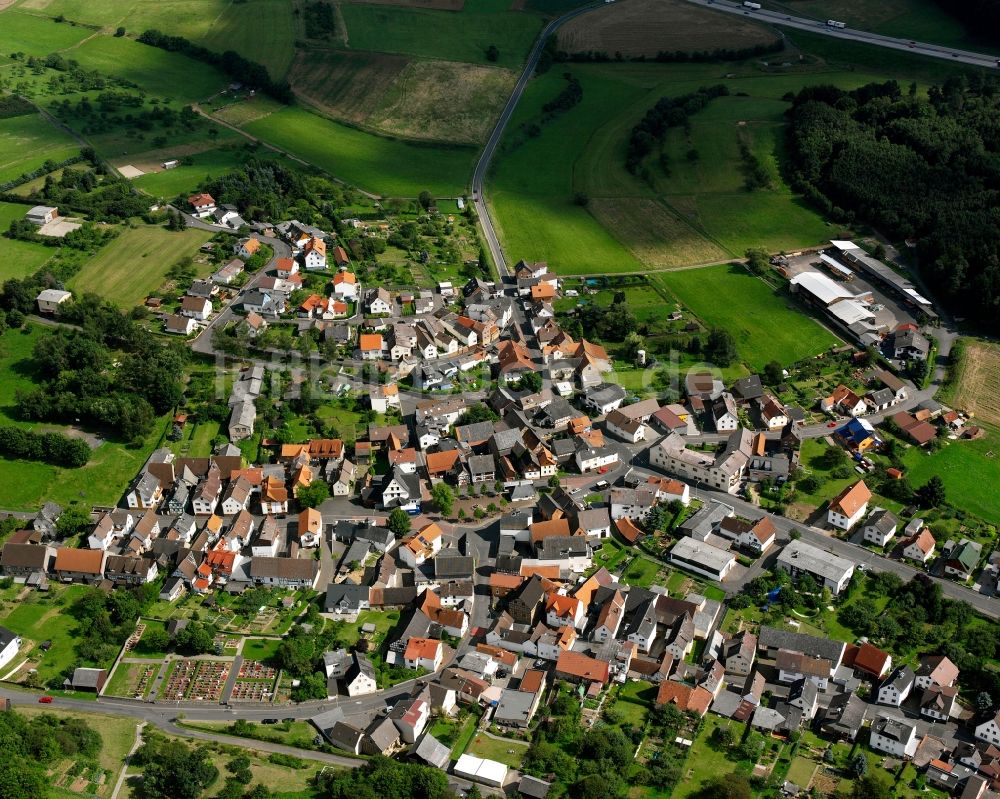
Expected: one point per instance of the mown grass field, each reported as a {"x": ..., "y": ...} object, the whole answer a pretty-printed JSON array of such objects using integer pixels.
[
  {"x": 648, "y": 27},
  {"x": 964, "y": 467},
  {"x": 27, "y": 484},
  {"x": 451, "y": 35},
  {"x": 27, "y": 142},
  {"x": 19, "y": 258},
  {"x": 765, "y": 323},
  {"x": 136, "y": 263},
  {"x": 23, "y": 32},
  {"x": 158, "y": 72},
  {"x": 385, "y": 166}
]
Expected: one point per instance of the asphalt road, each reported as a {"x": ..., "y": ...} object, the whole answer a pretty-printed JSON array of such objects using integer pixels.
[
  {"x": 854, "y": 35},
  {"x": 483, "y": 165}
]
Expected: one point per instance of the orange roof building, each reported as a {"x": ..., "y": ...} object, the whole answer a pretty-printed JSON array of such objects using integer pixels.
[
  {"x": 849, "y": 505},
  {"x": 370, "y": 342},
  {"x": 577, "y": 666},
  {"x": 686, "y": 698},
  {"x": 85, "y": 562}
]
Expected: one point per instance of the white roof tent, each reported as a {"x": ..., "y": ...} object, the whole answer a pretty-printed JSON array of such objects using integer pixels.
[
  {"x": 489, "y": 772},
  {"x": 824, "y": 289}
]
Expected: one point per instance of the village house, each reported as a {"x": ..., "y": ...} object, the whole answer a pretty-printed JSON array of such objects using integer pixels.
[
  {"x": 880, "y": 527},
  {"x": 849, "y": 506},
  {"x": 50, "y": 301},
  {"x": 828, "y": 570}
]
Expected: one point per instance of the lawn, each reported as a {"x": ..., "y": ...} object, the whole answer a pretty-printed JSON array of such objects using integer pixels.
[
  {"x": 455, "y": 734},
  {"x": 42, "y": 617},
  {"x": 766, "y": 324},
  {"x": 452, "y": 35},
  {"x": 801, "y": 771},
  {"x": 610, "y": 555},
  {"x": 383, "y": 621},
  {"x": 136, "y": 263},
  {"x": 27, "y": 484},
  {"x": 375, "y": 163},
  {"x": 196, "y": 441},
  {"x": 704, "y": 760},
  {"x": 504, "y": 751},
  {"x": 27, "y": 142},
  {"x": 260, "y": 648},
  {"x": 126, "y": 679},
  {"x": 641, "y": 572},
  {"x": 965, "y": 467},
  {"x": 20, "y": 258}
]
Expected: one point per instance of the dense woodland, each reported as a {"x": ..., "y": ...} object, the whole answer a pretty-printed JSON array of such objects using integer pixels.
[
  {"x": 918, "y": 169},
  {"x": 110, "y": 373},
  {"x": 30, "y": 745}
]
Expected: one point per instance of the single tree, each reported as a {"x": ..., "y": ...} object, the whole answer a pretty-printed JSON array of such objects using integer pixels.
[
  {"x": 931, "y": 494},
  {"x": 443, "y": 498},
  {"x": 399, "y": 522}
]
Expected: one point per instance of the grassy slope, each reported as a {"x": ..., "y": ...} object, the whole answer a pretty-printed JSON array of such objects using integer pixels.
[
  {"x": 26, "y": 33},
  {"x": 531, "y": 190},
  {"x": 20, "y": 258},
  {"x": 965, "y": 467},
  {"x": 453, "y": 35},
  {"x": 584, "y": 150},
  {"x": 261, "y": 30},
  {"x": 210, "y": 163},
  {"x": 374, "y": 163},
  {"x": 765, "y": 324},
  {"x": 121, "y": 271},
  {"x": 26, "y": 142}
]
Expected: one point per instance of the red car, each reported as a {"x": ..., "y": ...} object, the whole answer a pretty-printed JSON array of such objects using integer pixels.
[
  {"x": 832, "y": 424},
  {"x": 45, "y": 700}
]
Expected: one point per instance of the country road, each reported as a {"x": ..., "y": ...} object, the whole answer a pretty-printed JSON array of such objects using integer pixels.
[
  {"x": 483, "y": 165},
  {"x": 852, "y": 34}
]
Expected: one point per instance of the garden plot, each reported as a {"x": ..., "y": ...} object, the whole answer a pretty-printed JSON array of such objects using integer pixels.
[
  {"x": 255, "y": 682},
  {"x": 197, "y": 680}
]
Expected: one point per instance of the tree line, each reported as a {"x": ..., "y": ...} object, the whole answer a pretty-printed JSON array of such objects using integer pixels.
[
  {"x": 675, "y": 56},
  {"x": 230, "y": 62},
  {"x": 54, "y": 448},
  {"x": 927, "y": 170},
  {"x": 669, "y": 112}
]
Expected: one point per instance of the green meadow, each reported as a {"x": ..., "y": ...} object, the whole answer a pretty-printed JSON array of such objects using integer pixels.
[
  {"x": 26, "y": 33},
  {"x": 766, "y": 323},
  {"x": 135, "y": 264},
  {"x": 20, "y": 258},
  {"x": 27, "y": 142},
  {"x": 377, "y": 164},
  {"x": 702, "y": 211},
  {"x": 450, "y": 35},
  {"x": 186, "y": 177}
]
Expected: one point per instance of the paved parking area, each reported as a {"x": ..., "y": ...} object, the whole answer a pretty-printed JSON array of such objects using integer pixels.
[{"x": 59, "y": 227}]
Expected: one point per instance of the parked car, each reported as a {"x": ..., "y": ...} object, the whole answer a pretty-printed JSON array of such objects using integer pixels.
[{"x": 45, "y": 700}]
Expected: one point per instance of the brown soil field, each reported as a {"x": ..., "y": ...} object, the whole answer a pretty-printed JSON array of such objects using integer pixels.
[
  {"x": 444, "y": 101},
  {"x": 978, "y": 382},
  {"x": 437, "y": 5},
  {"x": 646, "y": 27},
  {"x": 348, "y": 85},
  {"x": 655, "y": 236}
]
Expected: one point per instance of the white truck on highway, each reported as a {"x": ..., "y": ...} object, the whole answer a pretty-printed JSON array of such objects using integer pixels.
[
  {"x": 832, "y": 23},
  {"x": 751, "y": 6}
]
